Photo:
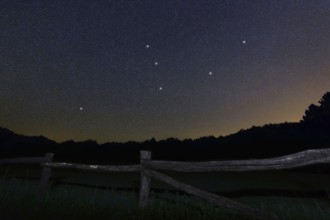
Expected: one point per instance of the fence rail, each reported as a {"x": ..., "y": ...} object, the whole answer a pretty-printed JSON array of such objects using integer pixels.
[
  {"x": 149, "y": 169},
  {"x": 216, "y": 199},
  {"x": 301, "y": 159},
  {"x": 99, "y": 168}
]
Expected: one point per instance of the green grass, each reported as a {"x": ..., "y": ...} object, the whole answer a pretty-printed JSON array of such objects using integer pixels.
[
  {"x": 18, "y": 196},
  {"x": 18, "y": 200}
]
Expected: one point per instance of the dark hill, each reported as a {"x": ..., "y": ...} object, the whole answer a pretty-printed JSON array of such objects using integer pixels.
[{"x": 12, "y": 144}]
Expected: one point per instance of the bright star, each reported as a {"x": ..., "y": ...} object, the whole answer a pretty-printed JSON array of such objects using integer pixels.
[
  {"x": 244, "y": 41},
  {"x": 81, "y": 108},
  {"x": 210, "y": 73},
  {"x": 160, "y": 88},
  {"x": 156, "y": 63},
  {"x": 147, "y": 46}
]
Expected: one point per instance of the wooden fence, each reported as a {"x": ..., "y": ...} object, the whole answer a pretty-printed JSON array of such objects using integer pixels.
[{"x": 149, "y": 169}]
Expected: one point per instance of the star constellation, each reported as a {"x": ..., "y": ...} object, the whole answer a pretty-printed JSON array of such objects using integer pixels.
[{"x": 137, "y": 62}]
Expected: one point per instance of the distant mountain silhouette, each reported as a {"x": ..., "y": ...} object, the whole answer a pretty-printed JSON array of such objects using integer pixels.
[
  {"x": 12, "y": 144},
  {"x": 313, "y": 131}
]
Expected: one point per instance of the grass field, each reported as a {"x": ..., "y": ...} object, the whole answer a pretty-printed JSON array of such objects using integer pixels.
[{"x": 289, "y": 195}]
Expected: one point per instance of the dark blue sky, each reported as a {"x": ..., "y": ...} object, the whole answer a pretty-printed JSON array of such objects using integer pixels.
[{"x": 82, "y": 69}]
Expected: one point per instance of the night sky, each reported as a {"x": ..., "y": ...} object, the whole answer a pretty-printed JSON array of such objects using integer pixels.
[{"x": 120, "y": 70}]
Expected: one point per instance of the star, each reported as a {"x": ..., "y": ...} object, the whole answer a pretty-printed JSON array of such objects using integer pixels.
[
  {"x": 147, "y": 46},
  {"x": 244, "y": 41},
  {"x": 160, "y": 88},
  {"x": 81, "y": 108},
  {"x": 156, "y": 63},
  {"x": 210, "y": 73}
]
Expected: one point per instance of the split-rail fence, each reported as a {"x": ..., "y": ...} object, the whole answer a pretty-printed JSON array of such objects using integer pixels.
[{"x": 150, "y": 169}]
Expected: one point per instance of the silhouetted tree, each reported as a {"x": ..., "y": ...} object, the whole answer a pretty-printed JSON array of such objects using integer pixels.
[
  {"x": 325, "y": 100},
  {"x": 311, "y": 113},
  {"x": 319, "y": 115}
]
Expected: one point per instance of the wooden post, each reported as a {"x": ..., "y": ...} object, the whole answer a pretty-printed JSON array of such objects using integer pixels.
[
  {"x": 145, "y": 180},
  {"x": 45, "y": 176}
]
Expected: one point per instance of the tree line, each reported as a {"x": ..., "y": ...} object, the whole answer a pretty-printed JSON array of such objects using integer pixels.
[{"x": 270, "y": 140}]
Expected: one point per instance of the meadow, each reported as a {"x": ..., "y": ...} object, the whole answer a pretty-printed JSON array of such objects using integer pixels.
[{"x": 88, "y": 195}]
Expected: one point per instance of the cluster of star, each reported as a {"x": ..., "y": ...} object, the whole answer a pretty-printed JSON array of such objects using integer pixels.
[
  {"x": 160, "y": 88},
  {"x": 156, "y": 63}
]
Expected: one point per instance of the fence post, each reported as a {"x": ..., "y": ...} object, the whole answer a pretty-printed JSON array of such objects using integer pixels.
[
  {"x": 45, "y": 176},
  {"x": 145, "y": 180}
]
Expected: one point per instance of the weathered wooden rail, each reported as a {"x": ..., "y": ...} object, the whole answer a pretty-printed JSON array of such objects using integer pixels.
[
  {"x": 301, "y": 159},
  {"x": 149, "y": 169}
]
